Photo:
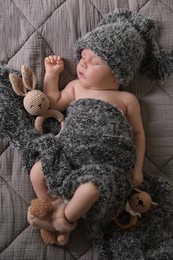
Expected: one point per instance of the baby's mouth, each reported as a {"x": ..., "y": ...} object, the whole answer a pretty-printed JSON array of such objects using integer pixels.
[{"x": 81, "y": 75}]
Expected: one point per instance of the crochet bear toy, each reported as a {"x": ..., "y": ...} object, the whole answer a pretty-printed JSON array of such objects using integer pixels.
[
  {"x": 138, "y": 203},
  {"x": 42, "y": 209}
]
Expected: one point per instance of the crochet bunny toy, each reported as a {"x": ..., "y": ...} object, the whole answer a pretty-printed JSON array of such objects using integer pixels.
[{"x": 35, "y": 101}]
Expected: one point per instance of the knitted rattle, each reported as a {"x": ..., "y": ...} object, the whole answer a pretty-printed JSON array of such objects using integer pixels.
[{"x": 35, "y": 101}]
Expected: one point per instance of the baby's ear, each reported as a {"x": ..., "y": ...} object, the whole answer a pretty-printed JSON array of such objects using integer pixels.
[
  {"x": 17, "y": 85},
  {"x": 29, "y": 78}
]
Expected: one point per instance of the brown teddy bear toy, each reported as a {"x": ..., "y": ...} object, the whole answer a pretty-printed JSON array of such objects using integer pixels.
[
  {"x": 139, "y": 202},
  {"x": 43, "y": 210}
]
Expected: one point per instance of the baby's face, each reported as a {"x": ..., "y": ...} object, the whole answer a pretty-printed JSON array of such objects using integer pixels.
[{"x": 92, "y": 71}]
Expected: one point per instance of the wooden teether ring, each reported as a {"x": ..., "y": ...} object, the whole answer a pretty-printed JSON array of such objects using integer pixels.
[
  {"x": 49, "y": 114},
  {"x": 119, "y": 224}
]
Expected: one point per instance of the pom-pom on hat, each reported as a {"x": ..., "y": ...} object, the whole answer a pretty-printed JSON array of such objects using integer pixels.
[{"x": 127, "y": 42}]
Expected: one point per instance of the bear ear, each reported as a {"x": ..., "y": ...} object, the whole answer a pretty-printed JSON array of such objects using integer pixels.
[
  {"x": 154, "y": 204},
  {"x": 137, "y": 190}
]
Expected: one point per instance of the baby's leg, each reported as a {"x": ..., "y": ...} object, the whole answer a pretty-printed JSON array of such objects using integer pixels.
[
  {"x": 81, "y": 202},
  {"x": 38, "y": 182},
  {"x": 41, "y": 190},
  {"x": 83, "y": 199},
  {"x": 63, "y": 214},
  {"x": 54, "y": 221}
]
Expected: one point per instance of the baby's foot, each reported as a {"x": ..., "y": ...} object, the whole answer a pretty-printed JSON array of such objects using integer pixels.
[
  {"x": 55, "y": 221},
  {"x": 54, "y": 237},
  {"x": 58, "y": 217},
  {"x": 62, "y": 238}
]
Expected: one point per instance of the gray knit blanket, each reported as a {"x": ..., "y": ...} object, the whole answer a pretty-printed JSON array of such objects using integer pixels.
[{"x": 95, "y": 145}]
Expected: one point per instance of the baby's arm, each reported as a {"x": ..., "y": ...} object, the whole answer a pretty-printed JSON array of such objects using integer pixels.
[
  {"x": 59, "y": 100},
  {"x": 135, "y": 120}
]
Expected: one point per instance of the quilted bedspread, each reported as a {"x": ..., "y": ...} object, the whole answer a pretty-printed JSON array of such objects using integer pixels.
[{"x": 31, "y": 30}]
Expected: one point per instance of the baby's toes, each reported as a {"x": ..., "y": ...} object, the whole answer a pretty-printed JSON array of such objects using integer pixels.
[
  {"x": 63, "y": 238},
  {"x": 62, "y": 225}
]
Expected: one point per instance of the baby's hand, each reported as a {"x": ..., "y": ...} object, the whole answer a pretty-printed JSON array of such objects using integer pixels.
[
  {"x": 54, "y": 64},
  {"x": 137, "y": 178}
]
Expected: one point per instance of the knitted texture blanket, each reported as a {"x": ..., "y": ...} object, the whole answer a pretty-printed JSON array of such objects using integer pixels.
[{"x": 95, "y": 145}]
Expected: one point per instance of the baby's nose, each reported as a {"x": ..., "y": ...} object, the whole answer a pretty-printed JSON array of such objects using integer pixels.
[{"x": 83, "y": 63}]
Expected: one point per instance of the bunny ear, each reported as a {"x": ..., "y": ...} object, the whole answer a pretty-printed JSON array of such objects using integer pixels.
[
  {"x": 29, "y": 78},
  {"x": 17, "y": 85}
]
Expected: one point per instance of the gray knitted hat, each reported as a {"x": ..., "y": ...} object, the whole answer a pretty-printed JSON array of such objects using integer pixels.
[{"x": 127, "y": 42}]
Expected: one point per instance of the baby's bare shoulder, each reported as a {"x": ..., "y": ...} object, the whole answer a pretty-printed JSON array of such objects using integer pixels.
[
  {"x": 70, "y": 88},
  {"x": 73, "y": 83},
  {"x": 130, "y": 101},
  {"x": 127, "y": 96}
]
